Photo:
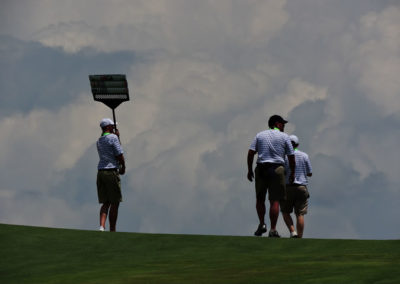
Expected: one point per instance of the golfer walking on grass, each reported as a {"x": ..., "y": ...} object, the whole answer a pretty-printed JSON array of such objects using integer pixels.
[
  {"x": 297, "y": 193},
  {"x": 271, "y": 146},
  {"x": 111, "y": 165}
]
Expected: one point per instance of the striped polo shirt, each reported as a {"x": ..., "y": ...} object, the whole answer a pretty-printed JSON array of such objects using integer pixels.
[
  {"x": 272, "y": 146},
  {"x": 108, "y": 148},
  {"x": 303, "y": 167}
]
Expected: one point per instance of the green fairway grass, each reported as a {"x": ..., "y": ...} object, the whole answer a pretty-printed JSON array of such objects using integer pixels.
[{"x": 44, "y": 255}]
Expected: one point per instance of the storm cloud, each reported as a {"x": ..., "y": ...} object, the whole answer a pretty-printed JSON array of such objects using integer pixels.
[{"x": 204, "y": 78}]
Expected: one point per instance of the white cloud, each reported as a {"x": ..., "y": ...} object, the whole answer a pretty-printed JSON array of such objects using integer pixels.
[
  {"x": 176, "y": 26},
  {"x": 298, "y": 92},
  {"x": 370, "y": 49},
  {"x": 45, "y": 14},
  {"x": 377, "y": 58},
  {"x": 33, "y": 209},
  {"x": 41, "y": 144},
  {"x": 189, "y": 159},
  {"x": 71, "y": 36}
]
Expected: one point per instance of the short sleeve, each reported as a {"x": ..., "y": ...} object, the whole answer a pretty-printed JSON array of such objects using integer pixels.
[
  {"x": 308, "y": 165},
  {"x": 116, "y": 145},
  {"x": 288, "y": 146},
  {"x": 253, "y": 145}
]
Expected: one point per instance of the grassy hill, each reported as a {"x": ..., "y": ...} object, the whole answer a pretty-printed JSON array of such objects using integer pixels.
[{"x": 44, "y": 255}]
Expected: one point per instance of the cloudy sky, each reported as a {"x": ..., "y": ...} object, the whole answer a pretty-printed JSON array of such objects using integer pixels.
[{"x": 204, "y": 77}]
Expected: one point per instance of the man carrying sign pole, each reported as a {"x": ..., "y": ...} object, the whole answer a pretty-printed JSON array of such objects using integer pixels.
[
  {"x": 111, "y": 165},
  {"x": 111, "y": 90}
]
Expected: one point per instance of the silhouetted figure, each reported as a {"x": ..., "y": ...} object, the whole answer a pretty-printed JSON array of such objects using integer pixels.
[
  {"x": 271, "y": 146},
  {"x": 111, "y": 165},
  {"x": 297, "y": 193}
]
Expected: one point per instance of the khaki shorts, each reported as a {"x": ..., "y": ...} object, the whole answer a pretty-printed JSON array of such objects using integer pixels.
[
  {"x": 275, "y": 185},
  {"x": 297, "y": 198},
  {"x": 108, "y": 187}
]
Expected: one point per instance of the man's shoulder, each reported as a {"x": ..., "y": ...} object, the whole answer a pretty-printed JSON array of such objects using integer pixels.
[
  {"x": 109, "y": 138},
  {"x": 301, "y": 153},
  {"x": 260, "y": 134},
  {"x": 282, "y": 135},
  {"x": 273, "y": 134},
  {"x": 270, "y": 132},
  {"x": 263, "y": 132}
]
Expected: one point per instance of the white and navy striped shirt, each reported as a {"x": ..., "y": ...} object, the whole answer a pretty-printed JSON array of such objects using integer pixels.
[
  {"x": 272, "y": 146},
  {"x": 303, "y": 167},
  {"x": 109, "y": 148}
]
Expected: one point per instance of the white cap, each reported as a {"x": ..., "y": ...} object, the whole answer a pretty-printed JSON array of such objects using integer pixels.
[
  {"x": 106, "y": 122},
  {"x": 294, "y": 139}
]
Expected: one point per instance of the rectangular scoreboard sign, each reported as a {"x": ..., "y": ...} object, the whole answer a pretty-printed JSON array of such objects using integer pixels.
[{"x": 110, "y": 89}]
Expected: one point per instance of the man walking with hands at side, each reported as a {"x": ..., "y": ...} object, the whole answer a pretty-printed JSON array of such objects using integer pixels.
[
  {"x": 297, "y": 193},
  {"x": 271, "y": 146},
  {"x": 111, "y": 165}
]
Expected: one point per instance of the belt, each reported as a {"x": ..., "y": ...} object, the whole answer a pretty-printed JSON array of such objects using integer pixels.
[
  {"x": 268, "y": 164},
  {"x": 108, "y": 170},
  {"x": 296, "y": 184}
]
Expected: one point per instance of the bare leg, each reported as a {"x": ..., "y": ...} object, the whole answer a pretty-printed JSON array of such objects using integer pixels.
[
  {"x": 273, "y": 213},
  {"x": 260, "y": 206},
  {"x": 113, "y": 216},
  {"x": 103, "y": 214},
  {"x": 288, "y": 221},
  {"x": 300, "y": 225}
]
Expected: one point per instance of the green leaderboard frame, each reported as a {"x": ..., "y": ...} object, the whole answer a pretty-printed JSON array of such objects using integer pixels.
[{"x": 110, "y": 89}]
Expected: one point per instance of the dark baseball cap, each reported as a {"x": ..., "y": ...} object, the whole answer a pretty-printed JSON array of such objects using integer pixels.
[{"x": 274, "y": 119}]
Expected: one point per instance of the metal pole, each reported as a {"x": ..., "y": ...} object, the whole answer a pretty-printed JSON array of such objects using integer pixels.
[
  {"x": 115, "y": 125},
  {"x": 115, "y": 122}
]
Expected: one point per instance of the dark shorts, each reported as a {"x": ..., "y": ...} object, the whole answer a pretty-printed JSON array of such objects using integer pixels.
[
  {"x": 271, "y": 179},
  {"x": 108, "y": 187},
  {"x": 297, "y": 198}
]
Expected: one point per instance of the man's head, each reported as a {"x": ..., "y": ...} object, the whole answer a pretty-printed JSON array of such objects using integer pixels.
[
  {"x": 277, "y": 121},
  {"x": 295, "y": 141},
  {"x": 107, "y": 124}
]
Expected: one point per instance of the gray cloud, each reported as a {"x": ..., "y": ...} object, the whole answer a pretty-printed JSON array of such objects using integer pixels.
[
  {"x": 204, "y": 78},
  {"x": 34, "y": 76}
]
